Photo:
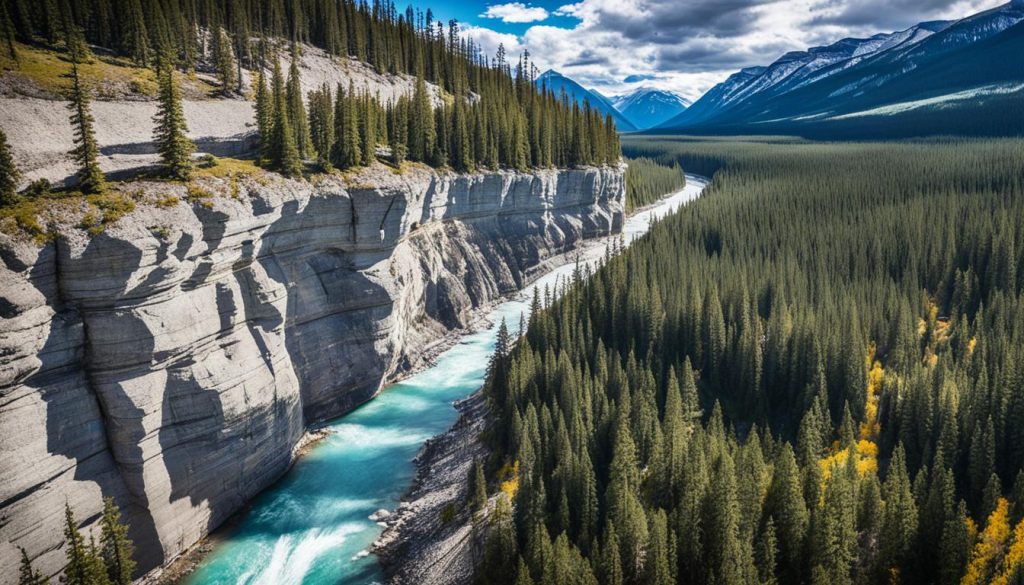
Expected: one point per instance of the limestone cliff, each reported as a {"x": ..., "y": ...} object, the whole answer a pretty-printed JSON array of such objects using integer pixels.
[{"x": 174, "y": 360}]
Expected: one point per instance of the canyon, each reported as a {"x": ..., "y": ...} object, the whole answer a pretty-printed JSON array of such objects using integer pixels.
[{"x": 175, "y": 360}]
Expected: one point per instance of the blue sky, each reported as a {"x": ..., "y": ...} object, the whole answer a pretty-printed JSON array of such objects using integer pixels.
[{"x": 682, "y": 45}]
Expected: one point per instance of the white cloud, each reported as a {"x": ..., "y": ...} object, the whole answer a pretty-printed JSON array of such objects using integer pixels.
[
  {"x": 690, "y": 45},
  {"x": 489, "y": 40},
  {"x": 515, "y": 12}
]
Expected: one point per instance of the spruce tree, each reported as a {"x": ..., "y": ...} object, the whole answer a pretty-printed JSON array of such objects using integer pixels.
[
  {"x": 78, "y": 571},
  {"x": 173, "y": 144},
  {"x": 346, "y": 147},
  {"x": 116, "y": 548},
  {"x": 135, "y": 35},
  {"x": 422, "y": 130},
  {"x": 321, "y": 125},
  {"x": 9, "y": 174},
  {"x": 96, "y": 571},
  {"x": 367, "y": 130},
  {"x": 7, "y": 30},
  {"x": 265, "y": 116},
  {"x": 28, "y": 575},
  {"x": 296, "y": 109},
  {"x": 478, "y": 486},
  {"x": 86, "y": 151},
  {"x": 224, "y": 60},
  {"x": 285, "y": 155}
]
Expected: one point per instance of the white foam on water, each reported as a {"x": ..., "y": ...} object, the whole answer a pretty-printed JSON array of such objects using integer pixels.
[
  {"x": 293, "y": 556},
  {"x": 357, "y": 436}
]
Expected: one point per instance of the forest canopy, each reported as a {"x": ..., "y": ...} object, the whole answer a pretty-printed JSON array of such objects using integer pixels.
[
  {"x": 812, "y": 374},
  {"x": 491, "y": 113}
]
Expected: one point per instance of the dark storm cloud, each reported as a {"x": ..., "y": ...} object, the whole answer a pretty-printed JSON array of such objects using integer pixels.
[
  {"x": 668, "y": 21},
  {"x": 878, "y": 14},
  {"x": 715, "y": 55}
]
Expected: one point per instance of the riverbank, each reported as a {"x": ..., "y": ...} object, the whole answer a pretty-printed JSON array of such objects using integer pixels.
[{"x": 432, "y": 538}]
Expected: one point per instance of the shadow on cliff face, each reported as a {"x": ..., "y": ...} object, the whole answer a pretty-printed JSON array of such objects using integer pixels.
[
  {"x": 77, "y": 424},
  {"x": 335, "y": 313}
]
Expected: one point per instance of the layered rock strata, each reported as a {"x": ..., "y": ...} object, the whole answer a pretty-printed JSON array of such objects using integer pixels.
[{"x": 174, "y": 361}]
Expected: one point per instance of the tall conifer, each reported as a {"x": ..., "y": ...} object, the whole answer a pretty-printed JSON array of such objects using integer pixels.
[
  {"x": 171, "y": 129},
  {"x": 86, "y": 151},
  {"x": 9, "y": 174}
]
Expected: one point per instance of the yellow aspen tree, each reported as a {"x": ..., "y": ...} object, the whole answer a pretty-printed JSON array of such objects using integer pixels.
[
  {"x": 1014, "y": 559},
  {"x": 990, "y": 547}
]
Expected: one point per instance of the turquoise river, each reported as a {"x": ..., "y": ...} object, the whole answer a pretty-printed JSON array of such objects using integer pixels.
[{"x": 312, "y": 527}]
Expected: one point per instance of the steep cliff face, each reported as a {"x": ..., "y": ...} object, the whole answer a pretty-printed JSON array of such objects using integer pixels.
[{"x": 174, "y": 361}]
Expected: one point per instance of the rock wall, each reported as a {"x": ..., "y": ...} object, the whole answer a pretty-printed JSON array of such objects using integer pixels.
[{"x": 174, "y": 361}]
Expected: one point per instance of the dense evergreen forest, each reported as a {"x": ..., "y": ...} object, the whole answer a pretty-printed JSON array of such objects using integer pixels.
[
  {"x": 812, "y": 374},
  {"x": 490, "y": 115},
  {"x": 647, "y": 181}
]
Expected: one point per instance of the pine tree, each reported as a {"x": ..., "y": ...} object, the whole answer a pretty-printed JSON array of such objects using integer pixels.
[
  {"x": 367, "y": 130},
  {"x": 321, "y": 125},
  {"x": 9, "y": 174},
  {"x": 86, "y": 151},
  {"x": 346, "y": 147},
  {"x": 96, "y": 572},
  {"x": 7, "y": 30},
  {"x": 27, "y": 574},
  {"x": 78, "y": 569},
  {"x": 296, "y": 110},
  {"x": 767, "y": 547},
  {"x": 899, "y": 518},
  {"x": 478, "y": 486},
  {"x": 265, "y": 116},
  {"x": 116, "y": 548},
  {"x": 74, "y": 39},
  {"x": 422, "y": 131},
  {"x": 785, "y": 504},
  {"x": 170, "y": 133},
  {"x": 285, "y": 155},
  {"x": 135, "y": 37},
  {"x": 224, "y": 59},
  {"x": 461, "y": 150}
]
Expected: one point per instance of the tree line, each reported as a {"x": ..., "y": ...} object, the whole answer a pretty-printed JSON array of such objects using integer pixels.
[
  {"x": 491, "y": 113},
  {"x": 510, "y": 123},
  {"x": 108, "y": 562},
  {"x": 647, "y": 181},
  {"x": 812, "y": 374}
]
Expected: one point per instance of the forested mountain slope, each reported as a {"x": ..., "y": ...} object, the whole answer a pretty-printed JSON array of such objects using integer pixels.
[{"x": 812, "y": 374}]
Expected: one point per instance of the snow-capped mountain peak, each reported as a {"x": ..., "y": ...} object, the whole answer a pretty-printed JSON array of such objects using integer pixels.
[{"x": 647, "y": 107}]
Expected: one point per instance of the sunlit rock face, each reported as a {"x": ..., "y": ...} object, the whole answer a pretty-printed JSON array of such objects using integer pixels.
[{"x": 174, "y": 361}]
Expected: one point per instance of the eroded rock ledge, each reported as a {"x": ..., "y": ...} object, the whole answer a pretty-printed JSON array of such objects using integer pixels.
[{"x": 174, "y": 361}]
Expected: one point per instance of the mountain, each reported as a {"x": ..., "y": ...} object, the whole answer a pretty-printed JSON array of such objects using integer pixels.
[
  {"x": 933, "y": 78},
  {"x": 647, "y": 107},
  {"x": 603, "y": 98},
  {"x": 556, "y": 82}
]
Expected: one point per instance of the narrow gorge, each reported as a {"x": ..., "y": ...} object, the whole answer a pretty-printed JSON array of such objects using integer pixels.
[{"x": 175, "y": 360}]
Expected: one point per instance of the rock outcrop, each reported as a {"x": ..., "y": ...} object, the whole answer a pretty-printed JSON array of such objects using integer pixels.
[{"x": 174, "y": 360}]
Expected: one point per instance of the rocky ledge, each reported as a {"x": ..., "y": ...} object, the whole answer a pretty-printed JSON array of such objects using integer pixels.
[
  {"x": 175, "y": 360},
  {"x": 432, "y": 539}
]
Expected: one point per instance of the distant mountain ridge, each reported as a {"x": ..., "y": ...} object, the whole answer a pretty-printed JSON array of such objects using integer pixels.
[
  {"x": 963, "y": 76},
  {"x": 557, "y": 82},
  {"x": 640, "y": 109},
  {"x": 647, "y": 107}
]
